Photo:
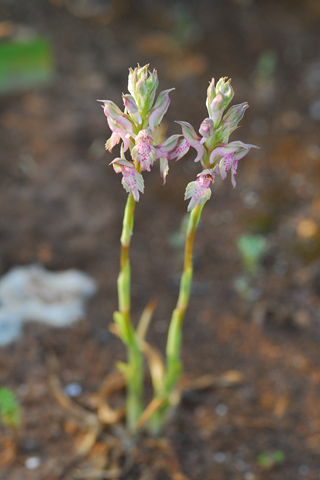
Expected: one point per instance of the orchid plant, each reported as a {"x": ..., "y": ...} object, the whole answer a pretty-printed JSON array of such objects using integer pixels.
[{"x": 136, "y": 129}]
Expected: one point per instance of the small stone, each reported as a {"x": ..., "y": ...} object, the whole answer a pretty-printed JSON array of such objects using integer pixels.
[
  {"x": 73, "y": 390},
  {"x": 304, "y": 470},
  {"x": 219, "y": 457},
  {"x": 32, "y": 463},
  {"x": 221, "y": 409}
]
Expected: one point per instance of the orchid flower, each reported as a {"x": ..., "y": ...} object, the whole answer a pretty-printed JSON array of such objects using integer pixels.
[
  {"x": 231, "y": 154},
  {"x": 143, "y": 152},
  {"x": 215, "y": 131},
  {"x": 120, "y": 124},
  {"x": 132, "y": 180},
  {"x": 174, "y": 147},
  {"x": 192, "y": 140},
  {"x": 199, "y": 190}
]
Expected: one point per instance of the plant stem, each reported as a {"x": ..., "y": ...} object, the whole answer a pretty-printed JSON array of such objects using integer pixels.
[
  {"x": 173, "y": 365},
  {"x": 134, "y": 369}
]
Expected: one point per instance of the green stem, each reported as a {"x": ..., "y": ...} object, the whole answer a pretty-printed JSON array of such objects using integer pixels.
[
  {"x": 134, "y": 369},
  {"x": 173, "y": 365},
  {"x": 175, "y": 329}
]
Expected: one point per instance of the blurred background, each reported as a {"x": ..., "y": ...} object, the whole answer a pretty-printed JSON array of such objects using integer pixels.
[{"x": 255, "y": 304}]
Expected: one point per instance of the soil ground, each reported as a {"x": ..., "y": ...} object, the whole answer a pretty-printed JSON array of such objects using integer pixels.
[{"x": 62, "y": 205}]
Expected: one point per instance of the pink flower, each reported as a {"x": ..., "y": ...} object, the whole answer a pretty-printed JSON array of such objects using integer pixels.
[
  {"x": 132, "y": 108},
  {"x": 118, "y": 133},
  {"x": 206, "y": 129},
  {"x": 143, "y": 152},
  {"x": 192, "y": 139},
  {"x": 174, "y": 147},
  {"x": 230, "y": 155},
  {"x": 120, "y": 124},
  {"x": 199, "y": 191},
  {"x": 159, "y": 109},
  {"x": 132, "y": 180},
  {"x": 218, "y": 99},
  {"x": 231, "y": 120}
]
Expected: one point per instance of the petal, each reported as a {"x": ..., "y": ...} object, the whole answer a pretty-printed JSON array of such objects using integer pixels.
[
  {"x": 132, "y": 107},
  {"x": 199, "y": 191},
  {"x": 243, "y": 150},
  {"x": 160, "y": 108},
  {"x": 225, "y": 149},
  {"x": 164, "y": 168},
  {"x": 167, "y": 146},
  {"x": 143, "y": 152},
  {"x": 216, "y": 108},
  {"x": 182, "y": 149},
  {"x": 225, "y": 165},
  {"x": 125, "y": 137},
  {"x": 192, "y": 138},
  {"x": 113, "y": 112},
  {"x": 189, "y": 133},
  {"x": 206, "y": 128},
  {"x": 113, "y": 140},
  {"x": 235, "y": 114},
  {"x": 233, "y": 173},
  {"x": 132, "y": 180}
]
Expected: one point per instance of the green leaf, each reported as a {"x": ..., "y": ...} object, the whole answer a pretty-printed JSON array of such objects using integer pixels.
[
  {"x": 9, "y": 408},
  {"x": 24, "y": 64}
]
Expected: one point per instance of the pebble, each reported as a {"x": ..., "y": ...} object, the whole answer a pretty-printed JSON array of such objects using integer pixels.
[
  {"x": 304, "y": 470},
  {"x": 221, "y": 409},
  {"x": 73, "y": 389},
  {"x": 219, "y": 457},
  {"x": 32, "y": 463}
]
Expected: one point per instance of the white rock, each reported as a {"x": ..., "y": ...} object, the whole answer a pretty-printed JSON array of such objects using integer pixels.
[{"x": 31, "y": 293}]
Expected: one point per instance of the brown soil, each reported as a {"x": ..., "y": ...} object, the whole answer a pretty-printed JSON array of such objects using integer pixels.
[{"x": 61, "y": 204}]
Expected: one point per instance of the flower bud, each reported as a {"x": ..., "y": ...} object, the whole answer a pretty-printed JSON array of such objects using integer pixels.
[
  {"x": 160, "y": 108},
  {"x": 132, "y": 107},
  {"x": 218, "y": 99},
  {"x": 224, "y": 87},
  {"x": 206, "y": 129},
  {"x": 142, "y": 85}
]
